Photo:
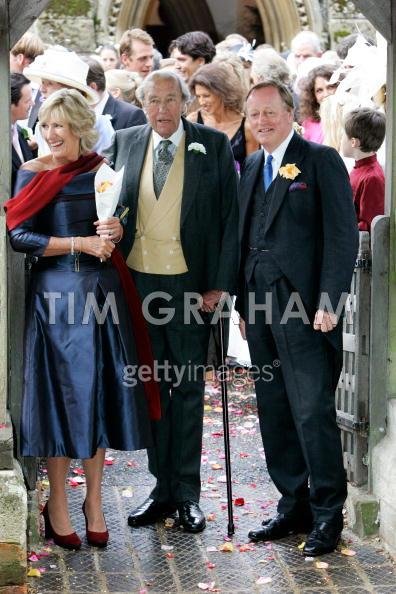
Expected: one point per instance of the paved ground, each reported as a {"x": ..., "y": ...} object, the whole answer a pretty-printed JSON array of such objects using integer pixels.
[{"x": 163, "y": 559}]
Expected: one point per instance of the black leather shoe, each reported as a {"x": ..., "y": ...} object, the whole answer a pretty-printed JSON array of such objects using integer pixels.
[
  {"x": 191, "y": 516},
  {"x": 279, "y": 527},
  {"x": 323, "y": 539},
  {"x": 150, "y": 512}
]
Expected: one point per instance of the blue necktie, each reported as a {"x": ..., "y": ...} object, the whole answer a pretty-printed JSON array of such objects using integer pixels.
[{"x": 268, "y": 172}]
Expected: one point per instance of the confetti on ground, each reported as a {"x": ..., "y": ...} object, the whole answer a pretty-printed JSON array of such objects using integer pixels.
[
  {"x": 169, "y": 522},
  {"x": 239, "y": 501},
  {"x": 33, "y": 572},
  {"x": 76, "y": 481},
  {"x": 348, "y": 552},
  {"x": 109, "y": 461},
  {"x": 166, "y": 548},
  {"x": 301, "y": 546},
  {"x": 227, "y": 547},
  {"x": 128, "y": 492},
  {"x": 211, "y": 517},
  {"x": 79, "y": 471},
  {"x": 210, "y": 587},
  {"x": 263, "y": 580},
  {"x": 245, "y": 547},
  {"x": 321, "y": 565}
]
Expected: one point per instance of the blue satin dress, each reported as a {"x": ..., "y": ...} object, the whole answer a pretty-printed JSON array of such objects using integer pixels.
[{"x": 81, "y": 390}]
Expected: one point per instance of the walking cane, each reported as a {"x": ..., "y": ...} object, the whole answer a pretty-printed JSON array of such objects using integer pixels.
[{"x": 224, "y": 400}]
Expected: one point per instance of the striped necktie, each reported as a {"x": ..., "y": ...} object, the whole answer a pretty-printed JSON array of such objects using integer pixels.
[{"x": 162, "y": 166}]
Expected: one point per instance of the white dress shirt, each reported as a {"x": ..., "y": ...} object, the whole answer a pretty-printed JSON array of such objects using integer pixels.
[
  {"x": 175, "y": 139},
  {"x": 278, "y": 154}
]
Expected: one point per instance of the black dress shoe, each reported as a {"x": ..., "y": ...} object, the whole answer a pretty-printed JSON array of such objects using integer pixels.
[
  {"x": 150, "y": 512},
  {"x": 191, "y": 516},
  {"x": 323, "y": 539},
  {"x": 279, "y": 527}
]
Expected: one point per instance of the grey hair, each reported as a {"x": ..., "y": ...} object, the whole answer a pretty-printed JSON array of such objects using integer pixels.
[
  {"x": 306, "y": 37},
  {"x": 267, "y": 63},
  {"x": 162, "y": 75}
]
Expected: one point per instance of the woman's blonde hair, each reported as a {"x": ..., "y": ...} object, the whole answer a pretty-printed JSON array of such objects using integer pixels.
[
  {"x": 127, "y": 82},
  {"x": 70, "y": 107}
]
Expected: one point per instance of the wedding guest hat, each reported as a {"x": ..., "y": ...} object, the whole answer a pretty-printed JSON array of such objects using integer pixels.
[{"x": 59, "y": 65}]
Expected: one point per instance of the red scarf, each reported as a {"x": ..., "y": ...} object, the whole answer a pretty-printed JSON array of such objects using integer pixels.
[
  {"x": 43, "y": 188},
  {"x": 39, "y": 192}
]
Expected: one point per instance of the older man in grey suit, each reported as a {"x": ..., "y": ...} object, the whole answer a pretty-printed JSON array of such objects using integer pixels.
[{"x": 181, "y": 238}]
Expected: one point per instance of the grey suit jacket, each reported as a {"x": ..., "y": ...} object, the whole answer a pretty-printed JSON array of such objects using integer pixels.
[{"x": 209, "y": 212}]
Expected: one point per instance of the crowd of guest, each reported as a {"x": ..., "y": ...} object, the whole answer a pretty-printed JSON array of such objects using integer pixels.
[{"x": 326, "y": 85}]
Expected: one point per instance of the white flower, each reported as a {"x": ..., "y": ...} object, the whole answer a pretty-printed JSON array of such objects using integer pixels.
[{"x": 197, "y": 148}]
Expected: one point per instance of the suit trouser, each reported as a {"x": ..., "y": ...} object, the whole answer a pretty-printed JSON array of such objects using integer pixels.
[
  {"x": 296, "y": 405},
  {"x": 180, "y": 350}
]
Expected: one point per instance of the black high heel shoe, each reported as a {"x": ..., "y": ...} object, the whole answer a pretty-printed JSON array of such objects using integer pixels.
[
  {"x": 95, "y": 539},
  {"x": 66, "y": 541}
]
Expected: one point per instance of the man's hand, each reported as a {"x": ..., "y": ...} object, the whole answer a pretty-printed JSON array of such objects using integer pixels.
[
  {"x": 325, "y": 321},
  {"x": 210, "y": 300}
]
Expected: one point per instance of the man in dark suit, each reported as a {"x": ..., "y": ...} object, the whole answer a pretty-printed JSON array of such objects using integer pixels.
[
  {"x": 181, "y": 187},
  {"x": 299, "y": 242},
  {"x": 123, "y": 114},
  {"x": 21, "y": 102}
]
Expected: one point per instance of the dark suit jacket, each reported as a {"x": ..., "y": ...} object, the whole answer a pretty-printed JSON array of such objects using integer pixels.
[
  {"x": 311, "y": 228},
  {"x": 123, "y": 114},
  {"x": 38, "y": 101},
  {"x": 16, "y": 162},
  {"x": 209, "y": 211}
]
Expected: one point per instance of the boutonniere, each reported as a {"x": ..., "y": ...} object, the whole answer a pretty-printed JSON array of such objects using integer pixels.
[
  {"x": 25, "y": 133},
  {"x": 289, "y": 171},
  {"x": 197, "y": 148}
]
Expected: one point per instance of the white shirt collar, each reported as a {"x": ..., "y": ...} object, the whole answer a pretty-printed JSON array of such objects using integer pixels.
[
  {"x": 99, "y": 107},
  {"x": 279, "y": 153},
  {"x": 175, "y": 138}
]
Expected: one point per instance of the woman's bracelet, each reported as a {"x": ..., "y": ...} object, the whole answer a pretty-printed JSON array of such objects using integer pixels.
[
  {"x": 78, "y": 249},
  {"x": 73, "y": 242}
]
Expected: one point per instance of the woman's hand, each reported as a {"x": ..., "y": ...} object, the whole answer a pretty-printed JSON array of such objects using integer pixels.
[
  {"x": 97, "y": 246},
  {"x": 110, "y": 229}
]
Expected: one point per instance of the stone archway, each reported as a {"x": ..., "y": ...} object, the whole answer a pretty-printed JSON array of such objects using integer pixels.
[{"x": 280, "y": 19}]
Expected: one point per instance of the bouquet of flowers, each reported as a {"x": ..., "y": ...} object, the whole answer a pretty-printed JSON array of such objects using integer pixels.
[{"x": 108, "y": 185}]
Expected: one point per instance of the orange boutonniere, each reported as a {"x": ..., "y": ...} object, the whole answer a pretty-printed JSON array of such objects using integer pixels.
[{"x": 289, "y": 171}]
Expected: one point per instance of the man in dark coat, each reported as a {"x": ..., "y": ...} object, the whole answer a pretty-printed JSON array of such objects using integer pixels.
[
  {"x": 299, "y": 241},
  {"x": 122, "y": 114},
  {"x": 180, "y": 240},
  {"x": 21, "y": 102}
]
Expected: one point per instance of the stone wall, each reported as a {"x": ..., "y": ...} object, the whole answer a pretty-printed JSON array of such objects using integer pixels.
[
  {"x": 72, "y": 24},
  {"x": 82, "y": 25},
  {"x": 343, "y": 19}
]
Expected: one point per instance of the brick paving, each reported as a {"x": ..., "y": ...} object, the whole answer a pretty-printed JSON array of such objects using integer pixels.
[{"x": 162, "y": 559}]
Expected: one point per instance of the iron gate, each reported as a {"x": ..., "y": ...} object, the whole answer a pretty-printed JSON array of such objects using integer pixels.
[{"x": 352, "y": 394}]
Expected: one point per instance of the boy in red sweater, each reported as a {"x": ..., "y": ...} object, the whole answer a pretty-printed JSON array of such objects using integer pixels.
[{"x": 364, "y": 134}]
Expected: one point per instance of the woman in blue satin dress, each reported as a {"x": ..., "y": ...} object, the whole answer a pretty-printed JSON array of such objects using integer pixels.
[{"x": 77, "y": 398}]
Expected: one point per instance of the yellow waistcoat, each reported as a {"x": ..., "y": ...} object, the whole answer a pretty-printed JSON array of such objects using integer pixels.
[{"x": 157, "y": 248}]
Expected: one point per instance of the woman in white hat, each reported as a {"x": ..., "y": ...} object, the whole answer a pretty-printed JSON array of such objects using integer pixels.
[{"x": 58, "y": 68}]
